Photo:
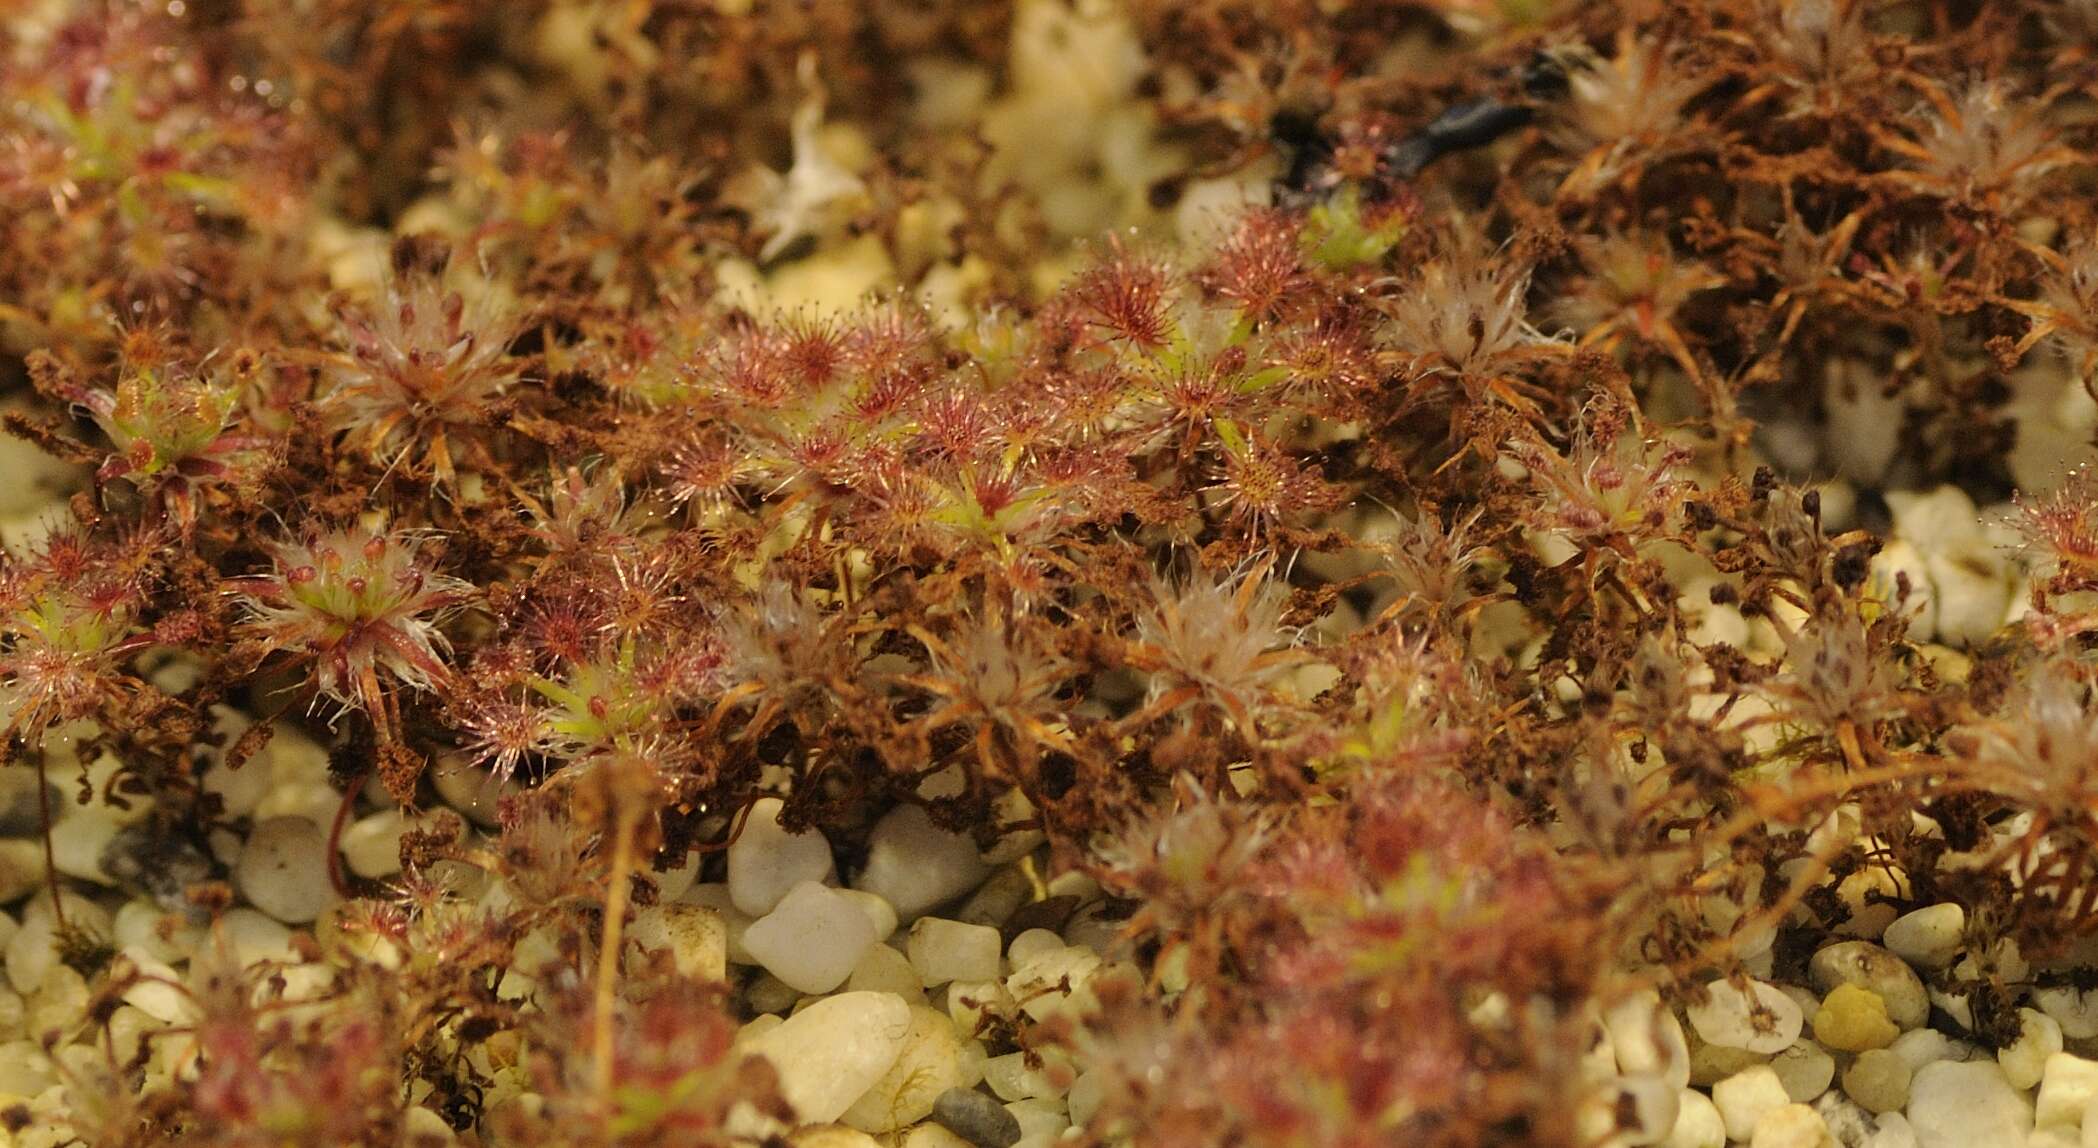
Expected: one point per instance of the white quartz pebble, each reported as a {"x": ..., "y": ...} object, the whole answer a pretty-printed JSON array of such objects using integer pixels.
[
  {"x": 1792, "y": 1126},
  {"x": 1088, "y": 1092},
  {"x": 239, "y": 790},
  {"x": 812, "y": 939},
  {"x": 674, "y": 882},
  {"x": 283, "y": 870},
  {"x": 1044, "y": 986},
  {"x": 968, "y": 1002},
  {"x": 715, "y": 896},
  {"x": 33, "y": 949},
  {"x": 879, "y": 912},
  {"x": 1892, "y": 1130},
  {"x": 78, "y": 842},
  {"x": 829, "y": 1054},
  {"x": 916, "y": 865},
  {"x": 2024, "y": 1060},
  {"x": 1643, "y": 1107},
  {"x": 1746, "y": 1097},
  {"x": 931, "y": 1135},
  {"x": 471, "y": 790},
  {"x": 1928, "y": 937},
  {"x": 696, "y": 936},
  {"x": 151, "y": 929},
  {"x": 1011, "y": 1077},
  {"x": 158, "y": 992},
  {"x": 1924, "y": 1045},
  {"x": 2076, "y": 1011},
  {"x": 2067, "y": 1086},
  {"x": 943, "y": 950},
  {"x": 766, "y": 860},
  {"x": 24, "y": 1069},
  {"x": 1954, "y": 1104},
  {"x": 254, "y": 936},
  {"x": 884, "y": 969},
  {"x": 930, "y": 1063},
  {"x": 21, "y": 869},
  {"x": 1697, "y": 1122},
  {"x": 1030, "y": 944},
  {"x": 1646, "y": 1037},
  {"x": 371, "y": 845},
  {"x": 1041, "y": 1121},
  {"x": 1762, "y": 1019}
]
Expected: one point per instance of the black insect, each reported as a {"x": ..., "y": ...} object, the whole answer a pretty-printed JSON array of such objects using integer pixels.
[
  {"x": 1461, "y": 127},
  {"x": 1476, "y": 123}
]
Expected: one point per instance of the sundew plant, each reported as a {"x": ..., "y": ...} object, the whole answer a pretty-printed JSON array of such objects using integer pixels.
[{"x": 1382, "y": 555}]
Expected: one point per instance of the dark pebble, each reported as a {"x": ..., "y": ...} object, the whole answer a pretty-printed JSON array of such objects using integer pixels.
[
  {"x": 19, "y": 815},
  {"x": 155, "y": 860},
  {"x": 977, "y": 1118}
]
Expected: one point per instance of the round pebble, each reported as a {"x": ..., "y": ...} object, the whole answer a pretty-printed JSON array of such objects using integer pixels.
[
  {"x": 2076, "y": 1011},
  {"x": 829, "y": 1054},
  {"x": 969, "y": 1002},
  {"x": 929, "y": 1064},
  {"x": 1792, "y": 1126},
  {"x": 812, "y": 939},
  {"x": 1924, "y": 1045},
  {"x": 1712, "y": 1063},
  {"x": 1041, "y": 1121},
  {"x": 831, "y": 1136},
  {"x": 33, "y": 948},
  {"x": 372, "y": 845},
  {"x": 1046, "y": 985},
  {"x": 767, "y": 861},
  {"x": 1084, "y": 1099},
  {"x": 21, "y": 810},
  {"x": 283, "y": 871},
  {"x": 1878, "y": 1080},
  {"x": 944, "y": 951},
  {"x": 1966, "y": 1105},
  {"x": 1891, "y": 1130},
  {"x": 1031, "y": 944},
  {"x": 1643, "y": 1107},
  {"x": 883, "y": 969},
  {"x": 1761, "y": 1019},
  {"x": 917, "y": 866},
  {"x": 1746, "y": 1097},
  {"x": 1697, "y": 1123},
  {"x": 21, "y": 869},
  {"x": 932, "y": 1135},
  {"x": 1011, "y": 1077},
  {"x": 695, "y": 935},
  {"x": 1805, "y": 1069},
  {"x": 879, "y": 913},
  {"x": 976, "y": 1118},
  {"x": 24, "y": 1069},
  {"x": 1847, "y": 1122},
  {"x": 2068, "y": 1085},
  {"x": 1928, "y": 937},
  {"x": 77, "y": 845},
  {"x": 473, "y": 791},
  {"x": 253, "y": 935},
  {"x": 1646, "y": 1037},
  {"x": 2024, "y": 1060},
  {"x": 1869, "y": 966}
]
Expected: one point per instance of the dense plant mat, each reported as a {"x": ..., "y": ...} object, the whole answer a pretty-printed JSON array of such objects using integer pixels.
[{"x": 1175, "y": 572}]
